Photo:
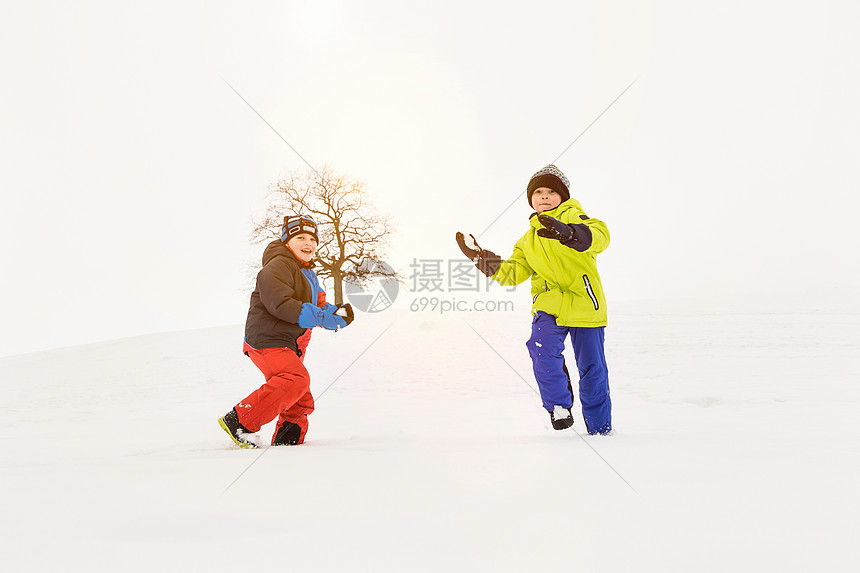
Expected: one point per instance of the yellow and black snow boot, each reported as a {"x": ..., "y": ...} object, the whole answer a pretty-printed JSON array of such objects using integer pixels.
[{"x": 238, "y": 433}]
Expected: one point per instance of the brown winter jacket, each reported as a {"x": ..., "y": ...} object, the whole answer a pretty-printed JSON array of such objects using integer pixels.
[{"x": 283, "y": 285}]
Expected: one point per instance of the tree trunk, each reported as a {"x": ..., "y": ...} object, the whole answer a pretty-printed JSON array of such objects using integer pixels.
[{"x": 338, "y": 288}]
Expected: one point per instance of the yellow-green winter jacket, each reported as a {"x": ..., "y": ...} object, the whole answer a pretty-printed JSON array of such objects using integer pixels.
[{"x": 565, "y": 282}]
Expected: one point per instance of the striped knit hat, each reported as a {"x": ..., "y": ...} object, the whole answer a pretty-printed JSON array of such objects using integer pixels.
[
  {"x": 297, "y": 224},
  {"x": 552, "y": 177}
]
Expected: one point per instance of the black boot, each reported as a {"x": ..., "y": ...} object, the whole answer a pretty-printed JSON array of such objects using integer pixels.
[
  {"x": 561, "y": 418},
  {"x": 238, "y": 433},
  {"x": 288, "y": 434}
]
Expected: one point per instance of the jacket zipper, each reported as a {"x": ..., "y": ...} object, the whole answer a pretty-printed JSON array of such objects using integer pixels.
[
  {"x": 590, "y": 292},
  {"x": 545, "y": 289}
]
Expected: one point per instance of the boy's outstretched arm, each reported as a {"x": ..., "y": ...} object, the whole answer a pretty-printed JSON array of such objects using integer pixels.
[
  {"x": 486, "y": 261},
  {"x": 515, "y": 270},
  {"x": 511, "y": 272},
  {"x": 591, "y": 235}
]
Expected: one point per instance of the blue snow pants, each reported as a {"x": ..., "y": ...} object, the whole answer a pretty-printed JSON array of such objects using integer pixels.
[{"x": 546, "y": 346}]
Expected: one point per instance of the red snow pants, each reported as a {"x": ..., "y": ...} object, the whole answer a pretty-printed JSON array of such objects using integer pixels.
[{"x": 285, "y": 395}]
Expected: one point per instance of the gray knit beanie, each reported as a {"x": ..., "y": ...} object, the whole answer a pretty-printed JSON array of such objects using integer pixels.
[{"x": 552, "y": 177}]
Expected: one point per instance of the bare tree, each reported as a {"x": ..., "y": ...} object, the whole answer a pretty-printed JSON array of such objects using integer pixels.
[{"x": 352, "y": 234}]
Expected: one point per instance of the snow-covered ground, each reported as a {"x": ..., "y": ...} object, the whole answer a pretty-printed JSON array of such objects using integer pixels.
[{"x": 737, "y": 448}]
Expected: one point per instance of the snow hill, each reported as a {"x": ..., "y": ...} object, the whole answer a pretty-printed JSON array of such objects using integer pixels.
[{"x": 737, "y": 448}]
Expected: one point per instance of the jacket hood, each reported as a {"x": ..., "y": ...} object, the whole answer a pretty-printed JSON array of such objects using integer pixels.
[{"x": 555, "y": 213}]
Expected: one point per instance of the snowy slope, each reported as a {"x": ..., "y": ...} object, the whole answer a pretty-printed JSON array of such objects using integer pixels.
[{"x": 737, "y": 447}]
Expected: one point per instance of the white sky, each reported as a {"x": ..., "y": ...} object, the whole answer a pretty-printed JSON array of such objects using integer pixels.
[{"x": 130, "y": 170}]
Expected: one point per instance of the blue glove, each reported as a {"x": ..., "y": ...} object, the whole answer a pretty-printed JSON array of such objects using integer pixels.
[
  {"x": 342, "y": 310},
  {"x": 311, "y": 316},
  {"x": 330, "y": 320}
]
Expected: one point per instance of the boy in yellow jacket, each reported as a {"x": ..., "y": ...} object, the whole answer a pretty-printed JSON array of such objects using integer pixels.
[{"x": 559, "y": 254}]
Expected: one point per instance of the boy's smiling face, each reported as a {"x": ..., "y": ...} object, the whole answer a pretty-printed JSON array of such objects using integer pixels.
[
  {"x": 545, "y": 199},
  {"x": 304, "y": 246}
]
